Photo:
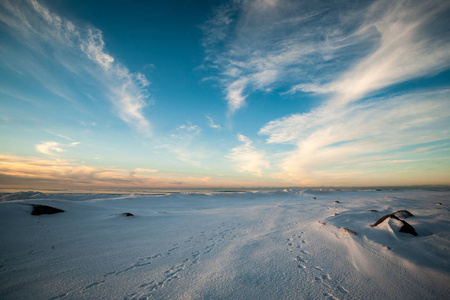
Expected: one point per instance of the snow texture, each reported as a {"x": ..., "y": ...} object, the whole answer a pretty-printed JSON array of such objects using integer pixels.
[{"x": 251, "y": 245}]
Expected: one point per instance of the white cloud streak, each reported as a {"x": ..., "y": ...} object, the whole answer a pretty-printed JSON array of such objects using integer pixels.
[
  {"x": 247, "y": 158},
  {"x": 53, "y": 148},
  {"x": 212, "y": 124},
  {"x": 405, "y": 50},
  {"x": 368, "y": 132},
  {"x": 347, "y": 49},
  {"x": 235, "y": 96},
  {"x": 36, "y": 27},
  {"x": 351, "y": 52},
  {"x": 257, "y": 47}
]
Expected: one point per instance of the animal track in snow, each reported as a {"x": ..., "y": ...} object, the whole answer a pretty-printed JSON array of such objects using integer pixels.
[
  {"x": 299, "y": 258},
  {"x": 330, "y": 296},
  {"x": 220, "y": 234},
  {"x": 301, "y": 263},
  {"x": 342, "y": 290},
  {"x": 323, "y": 279},
  {"x": 296, "y": 239}
]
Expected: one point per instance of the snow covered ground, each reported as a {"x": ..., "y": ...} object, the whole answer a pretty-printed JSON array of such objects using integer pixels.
[{"x": 263, "y": 245}]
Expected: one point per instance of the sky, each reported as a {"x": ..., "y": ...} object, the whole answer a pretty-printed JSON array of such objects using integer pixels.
[{"x": 212, "y": 94}]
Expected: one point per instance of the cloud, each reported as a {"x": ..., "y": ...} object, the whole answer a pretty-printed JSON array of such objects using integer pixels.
[
  {"x": 58, "y": 135},
  {"x": 235, "y": 96},
  {"x": 350, "y": 53},
  {"x": 200, "y": 179},
  {"x": 140, "y": 170},
  {"x": 46, "y": 173},
  {"x": 38, "y": 28},
  {"x": 247, "y": 158},
  {"x": 262, "y": 44},
  {"x": 406, "y": 50},
  {"x": 142, "y": 79},
  {"x": 93, "y": 46},
  {"x": 49, "y": 148},
  {"x": 215, "y": 29},
  {"x": 50, "y": 173},
  {"x": 53, "y": 148},
  {"x": 349, "y": 141},
  {"x": 185, "y": 144},
  {"x": 345, "y": 49},
  {"x": 186, "y": 131},
  {"x": 341, "y": 139},
  {"x": 212, "y": 124}
]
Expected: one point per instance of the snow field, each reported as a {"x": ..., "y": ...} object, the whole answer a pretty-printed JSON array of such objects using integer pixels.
[{"x": 264, "y": 245}]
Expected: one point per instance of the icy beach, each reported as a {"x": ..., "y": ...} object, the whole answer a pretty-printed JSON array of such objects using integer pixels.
[{"x": 302, "y": 244}]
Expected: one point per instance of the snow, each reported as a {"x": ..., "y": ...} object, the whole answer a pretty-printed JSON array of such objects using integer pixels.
[{"x": 254, "y": 245}]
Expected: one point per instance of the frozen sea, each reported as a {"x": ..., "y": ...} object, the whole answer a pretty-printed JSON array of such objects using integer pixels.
[{"x": 287, "y": 244}]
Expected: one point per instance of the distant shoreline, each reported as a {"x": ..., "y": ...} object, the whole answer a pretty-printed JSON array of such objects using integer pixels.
[{"x": 164, "y": 191}]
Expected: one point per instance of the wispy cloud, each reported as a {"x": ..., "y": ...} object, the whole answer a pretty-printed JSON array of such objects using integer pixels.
[
  {"x": 212, "y": 124},
  {"x": 38, "y": 28},
  {"x": 346, "y": 49},
  {"x": 185, "y": 144},
  {"x": 186, "y": 131},
  {"x": 53, "y": 148},
  {"x": 247, "y": 158},
  {"x": 216, "y": 28},
  {"x": 350, "y": 52},
  {"x": 58, "y": 135},
  {"x": 383, "y": 130},
  {"x": 266, "y": 44},
  {"x": 406, "y": 50},
  {"x": 235, "y": 94}
]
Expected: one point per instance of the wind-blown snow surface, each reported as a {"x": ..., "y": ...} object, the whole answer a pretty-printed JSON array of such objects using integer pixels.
[{"x": 264, "y": 245}]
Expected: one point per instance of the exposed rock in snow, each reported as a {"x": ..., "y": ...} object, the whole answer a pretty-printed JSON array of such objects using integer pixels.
[
  {"x": 44, "y": 210},
  {"x": 405, "y": 226},
  {"x": 403, "y": 214}
]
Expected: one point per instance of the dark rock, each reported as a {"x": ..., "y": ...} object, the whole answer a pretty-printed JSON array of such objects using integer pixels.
[
  {"x": 313, "y": 198},
  {"x": 403, "y": 214},
  {"x": 438, "y": 203},
  {"x": 337, "y": 201},
  {"x": 406, "y": 227},
  {"x": 127, "y": 214},
  {"x": 44, "y": 210},
  {"x": 381, "y": 220},
  {"x": 373, "y": 210}
]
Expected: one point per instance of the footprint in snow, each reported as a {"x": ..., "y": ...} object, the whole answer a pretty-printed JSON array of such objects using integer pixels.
[
  {"x": 299, "y": 258},
  {"x": 323, "y": 279},
  {"x": 330, "y": 296}
]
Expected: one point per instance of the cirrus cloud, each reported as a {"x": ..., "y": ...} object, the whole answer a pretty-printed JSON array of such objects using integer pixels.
[{"x": 38, "y": 29}]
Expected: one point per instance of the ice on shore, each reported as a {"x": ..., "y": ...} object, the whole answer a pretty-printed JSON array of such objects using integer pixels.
[{"x": 262, "y": 245}]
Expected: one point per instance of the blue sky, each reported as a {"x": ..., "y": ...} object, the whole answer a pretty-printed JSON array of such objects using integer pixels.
[{"x": 267, "y": 93}]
